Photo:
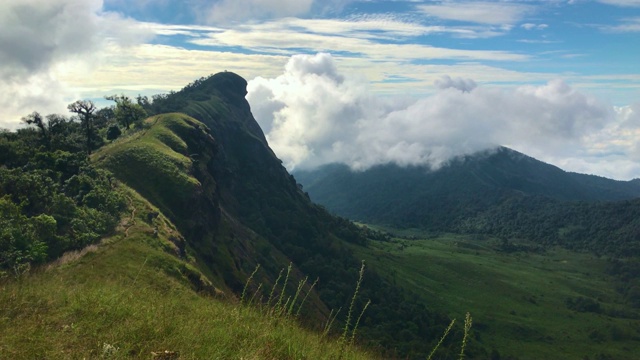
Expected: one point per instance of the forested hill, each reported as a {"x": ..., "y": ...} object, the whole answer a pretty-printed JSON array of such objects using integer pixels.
[{"x": 499, "y": 192}]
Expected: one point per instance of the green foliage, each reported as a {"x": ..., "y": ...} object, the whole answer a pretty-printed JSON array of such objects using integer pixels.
[
  {"x": 113, "y": 132},
  {"x": 127, "y": 112},
  {"x": 52, "y": 201}
]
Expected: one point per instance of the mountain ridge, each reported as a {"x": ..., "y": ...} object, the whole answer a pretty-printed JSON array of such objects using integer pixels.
[
  {"x": 500, "y": 193},
  {"x": 265, "y": 218}
]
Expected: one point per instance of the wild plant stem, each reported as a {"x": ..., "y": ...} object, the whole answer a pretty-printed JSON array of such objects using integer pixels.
[
  {"x": 306, "y": 296},
  {"x": 273, "y": 289},
  {"x": 284, "y": 288},
  {"x": 246, "y": 285},
  {"x": 343, "y": 339},
  {"x": 467, "y": 327},
  {"x": 355, "y": 327},
  {"x": 446, "y": 332}
]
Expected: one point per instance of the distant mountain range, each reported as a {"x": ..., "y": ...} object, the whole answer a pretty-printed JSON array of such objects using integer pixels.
[{"x": 480, "y": 193}]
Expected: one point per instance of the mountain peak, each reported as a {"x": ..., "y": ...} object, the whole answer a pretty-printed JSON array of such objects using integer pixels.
[{"x": 228, "y": 84}]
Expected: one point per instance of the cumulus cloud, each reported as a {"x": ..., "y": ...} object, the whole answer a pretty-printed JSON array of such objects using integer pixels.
[
  {"x": 312, "y": 114},
  {"x": 37, "y": 37}
]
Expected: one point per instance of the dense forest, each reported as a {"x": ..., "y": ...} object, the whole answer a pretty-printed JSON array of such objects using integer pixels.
[{"x": 52, "y": 199}]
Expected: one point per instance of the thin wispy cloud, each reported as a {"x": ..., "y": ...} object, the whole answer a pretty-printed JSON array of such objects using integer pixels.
[
  {"x": 493, "y": 13},
  {"x": 623, "y": 3},
  {"x": 626, "y": 25},
  {"x": 225, "y": 11},
  {"x": 288, "y": 36}
]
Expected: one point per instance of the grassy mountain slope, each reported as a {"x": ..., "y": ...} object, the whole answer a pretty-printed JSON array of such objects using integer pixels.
[
  {"x": 170, "y": 162},
  {"x": 133, "y": 294},
  {"x": 255, "y": 195}
]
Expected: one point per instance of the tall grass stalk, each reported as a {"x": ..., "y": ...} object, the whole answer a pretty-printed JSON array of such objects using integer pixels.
[
  {"x": 295, "y": 297},
  {"x": 278, "y": 305},
  {"x": 467, "y": 327},
  {"x": 343, "y": 338},
  {"x": 446, "y": 332},
  {"x": 273, "y": 289},
  {"x": 304, "y": 299},
  {"x": 355, "y": 327},
  {"x": 283, "y": 309},
  {"x": 246, "y": 285},
  {"x": 329, "y": 323},
  {"x": 255, "y": 293}
]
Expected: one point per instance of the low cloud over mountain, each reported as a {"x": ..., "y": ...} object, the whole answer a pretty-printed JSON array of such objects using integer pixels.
[{"x": 314, "y": 114}]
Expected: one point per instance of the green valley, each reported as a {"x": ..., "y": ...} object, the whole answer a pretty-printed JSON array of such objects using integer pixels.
[{"x": 557, "y": 304}]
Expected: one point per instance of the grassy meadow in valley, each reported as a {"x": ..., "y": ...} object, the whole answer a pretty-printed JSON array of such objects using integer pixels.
[{"x": 524, "y": 304}]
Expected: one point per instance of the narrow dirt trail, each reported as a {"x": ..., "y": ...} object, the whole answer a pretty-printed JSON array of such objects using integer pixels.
[{"x": 132, "y": 219}]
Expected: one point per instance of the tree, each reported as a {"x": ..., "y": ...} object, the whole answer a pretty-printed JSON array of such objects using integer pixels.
[
  {"x": 85, "y": 110},
  {"x": 127, "y": 112},
  {"x": 113, "y": 132},
  {"x": 36, "y": 119}
]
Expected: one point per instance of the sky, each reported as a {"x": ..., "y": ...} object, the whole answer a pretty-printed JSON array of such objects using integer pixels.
[{"x": 362, "y": 82}]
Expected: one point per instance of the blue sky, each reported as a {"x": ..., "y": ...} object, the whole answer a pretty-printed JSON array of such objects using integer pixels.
[{"x": 404, "y": 81}]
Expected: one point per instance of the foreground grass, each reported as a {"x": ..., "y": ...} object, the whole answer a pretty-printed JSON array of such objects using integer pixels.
[
  {"x": 518, "y": 300},
  {"x": 127, "y": 299}
]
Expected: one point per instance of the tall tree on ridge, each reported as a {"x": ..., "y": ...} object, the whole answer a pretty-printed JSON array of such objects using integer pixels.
[
  {"x": 85, "y": 110},
  {"x": 127, "y": 112}
]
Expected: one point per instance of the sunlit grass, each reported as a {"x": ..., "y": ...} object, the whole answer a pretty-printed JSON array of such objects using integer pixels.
[{"x": 121, "y": 302}]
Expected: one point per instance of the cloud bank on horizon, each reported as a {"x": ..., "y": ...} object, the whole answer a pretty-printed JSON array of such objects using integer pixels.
[
  {"x": 406, "y": 81},
  {"x": 313, "y": 114}
]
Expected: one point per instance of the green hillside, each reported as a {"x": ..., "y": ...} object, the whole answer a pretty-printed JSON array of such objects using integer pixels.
[
  {"x": 131, "y": 295},
  {"x": 557, "y": 304}
]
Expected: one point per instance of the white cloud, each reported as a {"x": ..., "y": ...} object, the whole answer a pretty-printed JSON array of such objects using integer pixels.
[
  {"x": 530, "y": 26},
  {"x": 624, "y": 3},
  {"x": 225, "y": 11},
  {"x": 38, "y": 38},
  {"x": 626, "y": 25},
  {"x": 289, "y": 36},
  {"x": 314, "y": 114},
  {"x": 493, "y": 13}
]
